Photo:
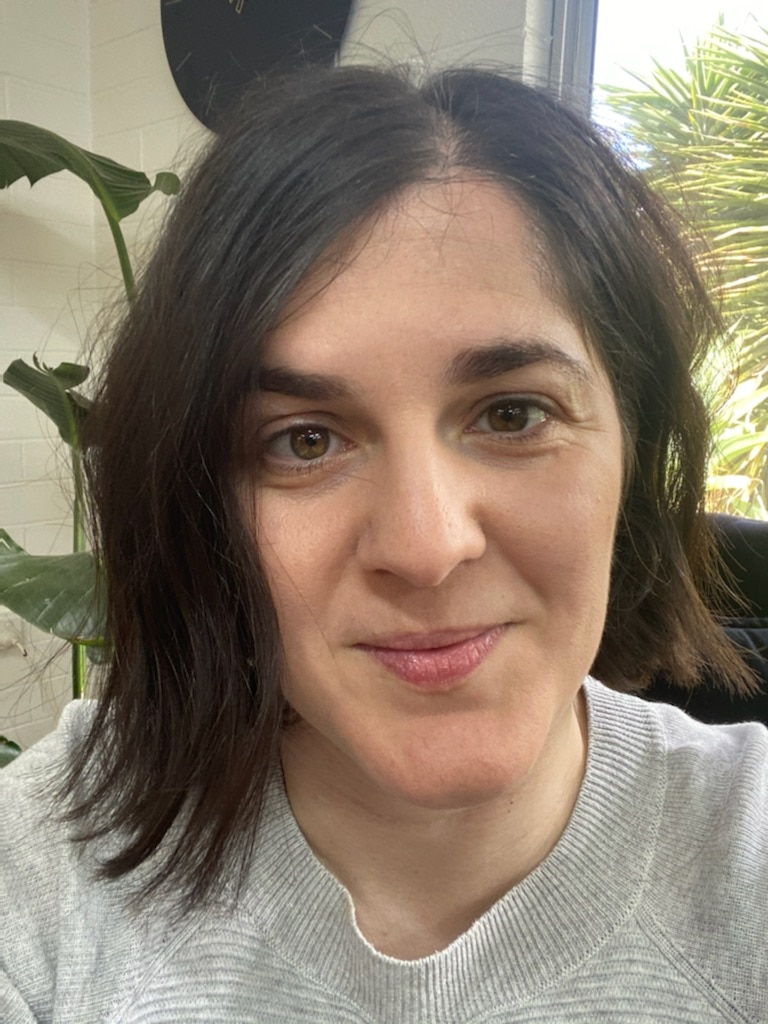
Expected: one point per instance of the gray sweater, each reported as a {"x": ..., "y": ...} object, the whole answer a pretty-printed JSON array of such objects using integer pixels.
[{"x": 653, "y": 907}]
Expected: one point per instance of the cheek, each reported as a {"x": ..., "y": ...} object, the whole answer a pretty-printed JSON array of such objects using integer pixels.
[
  {"x": 303, "y": 548},
  {"x": 559, "y": 533}
]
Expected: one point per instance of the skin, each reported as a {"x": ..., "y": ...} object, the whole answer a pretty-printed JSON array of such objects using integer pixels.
[{"x": 394, "y": 502}]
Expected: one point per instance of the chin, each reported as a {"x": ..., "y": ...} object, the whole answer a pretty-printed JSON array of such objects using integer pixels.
[{"x": 445, "y": 776}]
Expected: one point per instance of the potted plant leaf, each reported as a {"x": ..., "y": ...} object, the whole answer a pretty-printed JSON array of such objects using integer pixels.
[{"x": 58, "y": 593}]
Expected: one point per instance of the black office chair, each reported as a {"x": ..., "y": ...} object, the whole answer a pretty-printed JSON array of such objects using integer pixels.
[{"x": 744, "y": 547}]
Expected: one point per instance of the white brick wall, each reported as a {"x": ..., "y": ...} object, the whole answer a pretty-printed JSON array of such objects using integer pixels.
[
  {"x": 138, "y": 116},
  {"x": 95, "y": 72},
  {"x": 46, "y": 242}
]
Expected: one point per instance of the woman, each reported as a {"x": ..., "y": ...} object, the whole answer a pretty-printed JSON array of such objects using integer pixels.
[{"x": 399, "y": 443}]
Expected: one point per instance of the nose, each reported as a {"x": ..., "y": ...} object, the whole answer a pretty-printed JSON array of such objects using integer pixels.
[{"x": 422, "y": 520}]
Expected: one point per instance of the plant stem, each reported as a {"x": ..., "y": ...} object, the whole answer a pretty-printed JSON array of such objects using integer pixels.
[
  {"x": 122, "y": 255},
  {"x": 78, "y": 526},
  {"x": 78, "y": 544},
  {"x": 79, "y": 662},
  {"x": 79, "y": 665}
]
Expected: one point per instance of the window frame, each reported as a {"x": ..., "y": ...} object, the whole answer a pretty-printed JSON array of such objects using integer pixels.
[{"x": 572, "y": 50}]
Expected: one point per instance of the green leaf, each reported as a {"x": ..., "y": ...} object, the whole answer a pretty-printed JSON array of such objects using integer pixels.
[
  {"x": 29, "y": 151},
  {"x": 55, "y": 593},
  {"x": 742, "y": 444},
  {"x": 8, "y": 751},
  {"x": 49, "y": 390},
  {"x": 701, "y": 138}
]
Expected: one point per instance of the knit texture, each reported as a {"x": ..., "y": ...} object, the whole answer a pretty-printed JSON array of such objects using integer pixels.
[{"x": 652, "y": 908}]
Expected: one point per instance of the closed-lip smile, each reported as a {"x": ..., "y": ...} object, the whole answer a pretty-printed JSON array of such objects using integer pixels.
[{"x": 437, "y": 660}]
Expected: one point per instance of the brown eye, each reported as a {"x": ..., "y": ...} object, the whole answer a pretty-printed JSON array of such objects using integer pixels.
[
  {"x": 309, "y": 442},
  {"x": 509, "y": 415}
]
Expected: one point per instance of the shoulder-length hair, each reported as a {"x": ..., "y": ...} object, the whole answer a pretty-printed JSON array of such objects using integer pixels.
[{"x": 190, "y": 717}]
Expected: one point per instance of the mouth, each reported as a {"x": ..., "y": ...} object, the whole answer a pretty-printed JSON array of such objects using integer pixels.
[{"x": 435, "y": 661}]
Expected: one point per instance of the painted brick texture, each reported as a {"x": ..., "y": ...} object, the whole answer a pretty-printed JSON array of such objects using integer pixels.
[{"x": 46, "y": 247}]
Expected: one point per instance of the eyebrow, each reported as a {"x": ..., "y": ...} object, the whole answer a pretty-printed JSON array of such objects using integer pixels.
[
  {"x": 505, "y": 355},
  {"x": 467, "y": 367},
  {"x": 314, "y": 386}
]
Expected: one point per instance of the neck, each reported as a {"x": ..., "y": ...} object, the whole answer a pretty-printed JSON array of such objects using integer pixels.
[{"x": 419, "y": 877}]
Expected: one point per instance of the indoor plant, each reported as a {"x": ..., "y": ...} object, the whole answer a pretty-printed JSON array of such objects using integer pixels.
[{"x": 58, "y": 593}]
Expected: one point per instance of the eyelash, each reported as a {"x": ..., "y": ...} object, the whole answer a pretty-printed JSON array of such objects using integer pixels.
[
  {"x": 516, "y": 402},
  {"x": 289, "y": 464},
  {"x": 292, "y": 464}
]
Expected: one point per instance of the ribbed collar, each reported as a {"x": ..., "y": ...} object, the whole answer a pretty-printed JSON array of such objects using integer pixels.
[{"x": 554, "y": 919}]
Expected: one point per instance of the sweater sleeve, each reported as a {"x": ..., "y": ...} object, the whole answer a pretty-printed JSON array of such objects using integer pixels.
[
  {"x": 716, "y": 860},
  {"x": 35, "y": 857}
]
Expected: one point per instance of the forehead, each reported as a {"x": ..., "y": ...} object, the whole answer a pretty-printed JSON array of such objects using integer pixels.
[
  {"x": 430, "y": 228},
  {"x": 435, "y": 225},
  {"x": 444, "y": 266}
]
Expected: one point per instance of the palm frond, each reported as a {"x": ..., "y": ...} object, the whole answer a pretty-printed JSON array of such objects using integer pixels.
[{"x": 701, "y": 136}]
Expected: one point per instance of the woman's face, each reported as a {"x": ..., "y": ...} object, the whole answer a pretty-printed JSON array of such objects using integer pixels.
[{"x": 436, "y": 504}]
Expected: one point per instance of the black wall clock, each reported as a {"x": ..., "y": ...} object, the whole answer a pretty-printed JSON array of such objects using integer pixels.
[{"x": 216, "y": 47}]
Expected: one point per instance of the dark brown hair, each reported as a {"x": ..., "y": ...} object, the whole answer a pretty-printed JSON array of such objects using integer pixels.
[{"x": 188, "y": 725}]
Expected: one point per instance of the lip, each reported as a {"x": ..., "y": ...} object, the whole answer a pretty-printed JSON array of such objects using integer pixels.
[{"x": 437, "y": 660}]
